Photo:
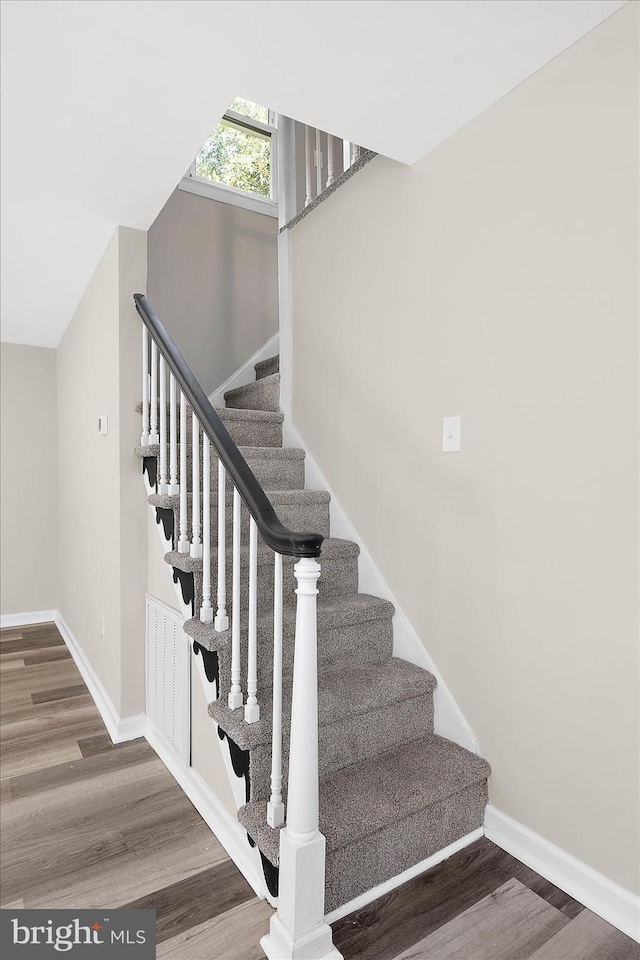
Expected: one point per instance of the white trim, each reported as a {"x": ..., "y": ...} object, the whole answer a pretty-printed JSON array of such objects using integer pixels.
[
  {"x": 219, "y": 820},
  {"x": 249, "y": 123},
  {"x": 607, "y": 899},
  {"x": 287, "y": 210},
  {"x": 403, "y": 877},
  {"x": 245, "y": 374},
  {"x": 449, "y": 719},
  {"x": 284, "y": 313},
  {"x": 119, "y": 728},
  {"x": 225, "y": 194},
  {"x": 24, "y": 619}
]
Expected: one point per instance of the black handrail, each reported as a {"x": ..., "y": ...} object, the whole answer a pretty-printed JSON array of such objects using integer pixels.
[{"x": 274, "y": 533}]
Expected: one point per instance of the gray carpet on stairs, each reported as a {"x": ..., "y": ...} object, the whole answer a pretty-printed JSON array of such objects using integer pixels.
[{"x": 392, "y": 793}]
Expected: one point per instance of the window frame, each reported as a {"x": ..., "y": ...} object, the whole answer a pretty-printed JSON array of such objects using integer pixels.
[{"x": 203, "y": 187}]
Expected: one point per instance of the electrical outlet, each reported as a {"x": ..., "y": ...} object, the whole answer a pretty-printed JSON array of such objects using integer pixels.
[{"x": 102, "y": 629}]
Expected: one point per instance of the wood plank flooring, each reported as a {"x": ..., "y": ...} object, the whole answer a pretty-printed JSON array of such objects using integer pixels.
[{"x": 89, "y": 824}]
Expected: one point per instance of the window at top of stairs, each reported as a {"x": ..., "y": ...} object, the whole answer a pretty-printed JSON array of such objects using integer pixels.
[{"x": 237, "y": 159}]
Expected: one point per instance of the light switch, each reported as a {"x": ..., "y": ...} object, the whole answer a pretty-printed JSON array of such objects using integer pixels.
[
  {"x": 451, "y": 434},
  {"x": 103, "y": 426}
]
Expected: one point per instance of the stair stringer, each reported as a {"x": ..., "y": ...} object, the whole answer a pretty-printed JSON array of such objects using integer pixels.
[
  {"x": 450, "y": 722},
  {"x": 246, "y": 373}
]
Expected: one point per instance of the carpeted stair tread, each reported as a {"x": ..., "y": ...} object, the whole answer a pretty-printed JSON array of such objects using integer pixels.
[
  {"x": 297, "y": 509},
  {"x": 275, "y": 468},
  {"x": 236, "y": 413},
  {"x": 345, "y": 611},
  {"x": 332, "y": 549},
  {"x": 246, "y": 426},
  {"x": 277, "y": 497},
  {"x": 263, "y": 394},
  {"x": 249, "y": 453},
  {"x": 345, "y": 693},
  {"x": 363, "y": 799},
  {"x": 264, "y": 368}
]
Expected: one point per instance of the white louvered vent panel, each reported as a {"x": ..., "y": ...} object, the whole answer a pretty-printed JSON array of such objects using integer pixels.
[{"x": 168, "y": 676}]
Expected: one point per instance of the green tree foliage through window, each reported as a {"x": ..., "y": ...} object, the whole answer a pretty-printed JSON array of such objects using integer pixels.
[{"x": 238, "y": 157}]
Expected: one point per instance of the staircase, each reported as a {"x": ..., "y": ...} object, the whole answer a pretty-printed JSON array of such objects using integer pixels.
[{"x": 392, "y": 792}]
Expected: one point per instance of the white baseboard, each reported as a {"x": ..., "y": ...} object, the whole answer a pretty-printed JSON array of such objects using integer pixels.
[
  {"x": 449, "y": 719},
  {"x": 599, "y": 894},
  {"x": 23, "y": 619},
  {"x": 245, "y": 374},
  {"x": 403, "y": 877},
  {"x": 119, "y": 728},
  {"x": 220, "y": 821}
]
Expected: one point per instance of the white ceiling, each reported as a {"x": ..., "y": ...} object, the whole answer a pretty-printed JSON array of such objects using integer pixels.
[{"x": 105, "y": 103}]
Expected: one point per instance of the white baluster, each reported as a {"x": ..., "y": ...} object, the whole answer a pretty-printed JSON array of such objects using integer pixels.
[
  {"x": 251, "y": 707},
  {"x": 164, "y": 484},
  {"x": 331, "y": 159},
  {"x": 355, "y": 152},
  {"x": 235, "y": 693},
  {"x": 275, "y": 807},
  {"x": 153, "y": 428},
  {"x": 144, "y": 440},
  {"x": 309, "y": 137},
  {"x": 173, "y": 437},
  {"x": 206, "y": 610},
  {"x": 183, "y": 542},
  {"x": 346, "y": 154},
  {"x": 196, "y": 545},
  {"x": 222, "y": 620},
  {"x": 318, "y": 159},
  {"x": 298, "y": 928}
]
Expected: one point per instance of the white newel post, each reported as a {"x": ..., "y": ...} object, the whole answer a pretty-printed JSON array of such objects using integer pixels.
[
  {"x": 206, "y": 610},
  {"x": 222, "y": 620},
  {"x": 298, "y": 930},
  {"x": 144, "y": 441}
]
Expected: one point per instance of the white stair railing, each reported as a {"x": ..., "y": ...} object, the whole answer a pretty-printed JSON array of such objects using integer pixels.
[
  {"x": 235, "y": 693},
  {"x": 298, "y": 928},
  {"x": 222, "y": 620},
  {"x": 252, "y": 708},
  {"x": 173, "y": 438},
  {"x": 183, "y": 540},
  {"x": 206, "y": 610},
  {"x": 144, "y": 440},
  {"x": 320, "y": 174},
  {"x": 163, "y": 482},
  {"x": 196, "y": 543}
]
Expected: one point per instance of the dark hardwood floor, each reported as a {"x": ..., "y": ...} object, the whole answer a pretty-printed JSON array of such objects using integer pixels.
[{"x": 89, "y": 824}]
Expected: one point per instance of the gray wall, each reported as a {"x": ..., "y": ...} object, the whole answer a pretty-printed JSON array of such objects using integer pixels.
[
  {"x": 212, "y": 278},
  {"x": 498, "y": 279},
  {"x": 102, "y": 548},
  {"x": 28, "y": 482}
]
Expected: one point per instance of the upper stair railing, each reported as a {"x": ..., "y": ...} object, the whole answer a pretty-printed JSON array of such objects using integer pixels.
[
  {"x": 169, "y": 384},
  {"x": 326, "y": 157}
]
